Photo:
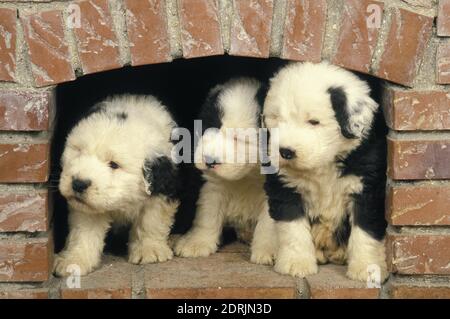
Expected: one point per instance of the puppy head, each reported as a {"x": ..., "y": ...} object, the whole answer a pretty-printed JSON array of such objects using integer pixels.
[
  {"x": 322, "y": 112},
  {"x": 227, "y": 147},
  {"x": 110, "y": 155}
]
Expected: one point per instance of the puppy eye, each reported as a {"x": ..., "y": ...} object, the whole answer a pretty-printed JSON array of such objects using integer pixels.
[
  {"x": 113, "y": 165},
  {"x": 314, "y": 122}
]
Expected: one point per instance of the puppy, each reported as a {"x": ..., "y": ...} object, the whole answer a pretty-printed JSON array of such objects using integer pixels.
[
  {"x": 328, "y": 197},
  {"x": 233, "y": 191},
  {"x": 116, "y": 168}
]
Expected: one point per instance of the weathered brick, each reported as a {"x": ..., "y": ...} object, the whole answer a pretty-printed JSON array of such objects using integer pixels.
[
  {"x": 443, "y": 20},
  {"x": 24, "y": 162},
  {"x": 251, "y": 27},
  {"x": 405, "y": 46},
  {"x": 25, "y": 259},
  {"x": 111, "y": 281},
  {"x": 200, "y": 28},
  {"x": 97, "y": 43},
  {"x": 417, "y": 110},
  {"x": 7, "y": 44},
  {"x": 24, "y": 211},
  {"x": 419, "y": 204},
  {"x": 304, "y": 30},
  {"x": 147, "y": 31},
  {"x": 18, "y": 292},
  {"x": 419, "y": 253},
  {"x": 47, "y": 48},
  {"x": 443, "y": 63},
  {"x": 332, "y": 283},
  {"x": 418, "y": 159},
  {"x": 357, "y": 39},
  {"x": 25, "y": 110},
  {"x": 222, "y": 275},
  {"x": 413, "y": 290}
]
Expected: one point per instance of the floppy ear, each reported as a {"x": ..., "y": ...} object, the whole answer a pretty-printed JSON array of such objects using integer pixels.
[
  {"x": 161, "y": 177},
  {"x": 355, "y": 119}
]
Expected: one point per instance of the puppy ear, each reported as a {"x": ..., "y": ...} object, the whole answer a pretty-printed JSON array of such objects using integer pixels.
[
  {"x": 161, "y": 177},
  {"x": 354, "y": 119}
]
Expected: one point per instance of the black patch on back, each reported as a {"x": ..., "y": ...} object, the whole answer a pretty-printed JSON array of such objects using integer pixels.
[
  {"x": 339, "y": 104},
  {"x": 211, "y": 113},
  {"x": 285, "y": 204},
  {"x": 122, "y": 116},
  {"x": 369, "y": 162},
  {"x": 162, "y": 175},
  {"x": 342, "y": 233}
]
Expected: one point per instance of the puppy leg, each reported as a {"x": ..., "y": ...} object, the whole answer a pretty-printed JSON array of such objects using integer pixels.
[
  {"x": 203, "y": 238},
  {"x": 365, "y": 256},
  {"x": 84, "y": 245},
  {"x": 264, "y": 243},
  {"x": 296, "y": 254},
  {"x": 149, "y": 234}
]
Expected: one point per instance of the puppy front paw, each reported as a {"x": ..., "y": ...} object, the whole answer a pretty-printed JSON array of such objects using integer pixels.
[
  {"x": 262, "y": 256},
  {"x": 66, "y": 265},
  {"x": 141, "y": 253},
  {"x": 296, "y": 264},
  {"x": 194, "y": 246},
  {"x": 376, "y": 273}
]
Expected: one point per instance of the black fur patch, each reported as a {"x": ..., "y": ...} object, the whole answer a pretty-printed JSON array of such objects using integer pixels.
[
  {"x": 211, "y": 113},
  {"x": 261, "y": 96},
  {"x": 369, "y": 162},
  {"x": 342, "y": 233},
  {"x": 162, "y": 175},
  {"x": 339, "y": 104},
  {"x": 285, "y": 204}
]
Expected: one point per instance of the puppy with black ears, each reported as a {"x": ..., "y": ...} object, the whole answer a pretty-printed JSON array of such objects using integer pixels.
[
  {"x": 117, "y": 168},
  {"x": 233, "y": 191},
  {"x": 328, "y": 197}
]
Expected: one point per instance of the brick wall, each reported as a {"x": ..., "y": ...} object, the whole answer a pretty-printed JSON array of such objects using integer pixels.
[{"x": 396, "y": 40}]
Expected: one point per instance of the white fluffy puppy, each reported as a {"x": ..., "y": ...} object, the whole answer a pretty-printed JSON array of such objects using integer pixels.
[
  {"x": 233, "y": 192},
  {"x": 117, "y": 169},
  {"x": 328, "y": 197}
]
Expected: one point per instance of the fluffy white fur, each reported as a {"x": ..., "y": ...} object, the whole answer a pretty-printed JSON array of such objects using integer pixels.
[
  {"x": 297, "y": 95},
  {"x": 127, "y": 130},
  {"x": 233, "y": 192}
]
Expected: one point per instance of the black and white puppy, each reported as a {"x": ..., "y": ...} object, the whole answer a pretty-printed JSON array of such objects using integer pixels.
[
  {"x": 233, "y": 192},
  {"x": 117, "y": 168},
  {"x": 328, "y": 197}
]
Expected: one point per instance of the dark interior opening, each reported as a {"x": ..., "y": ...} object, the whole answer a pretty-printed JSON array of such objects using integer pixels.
[{"x": 182, "y": 86}]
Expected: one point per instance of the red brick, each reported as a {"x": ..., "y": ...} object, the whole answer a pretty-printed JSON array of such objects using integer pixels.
[
  {"x": 414, "y": 291},
  {"x": 25, "y": 260},
  {"x": 26, "y": 163},
  {"x": 200, "y": 28},
  {"x": 25, "y": 110},
  {"x": 443, "y": 20},
  {"x": 421, "y": 204},
  {"x": 97, "y": 43},
  {"x": 49, "y": 54},
  {"x": 7, "y": 44},
  {"x": 24, "y": 211},
  {"x": 417, "y": 110},
  {"x": 443, "y": 63},
  {"x": 405, "y": 46},
  {"x": 304, "y": 30},
  {"x": 147, "y": 31},
  {"x": 419, "y": 253},
  {"x": 23, "y": 293},
  {"x": 418, "y": 159},
  {"x": 251, "y": 28},
  {"x": 111, "y": 281},
  {"x": 332, "y": 283},
  {"x": 357, "y": 40},
  {"x": 222, "y": 275}
]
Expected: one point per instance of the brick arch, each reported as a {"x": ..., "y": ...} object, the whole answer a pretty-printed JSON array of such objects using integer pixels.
[{"x": 39, "y": 50}]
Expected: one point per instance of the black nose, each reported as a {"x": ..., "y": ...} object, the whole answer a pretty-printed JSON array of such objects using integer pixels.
[
  {"x": 79, "y": 186},
  {"x": 211, "y": 162},
  {"x": 287, "y": 153}
]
